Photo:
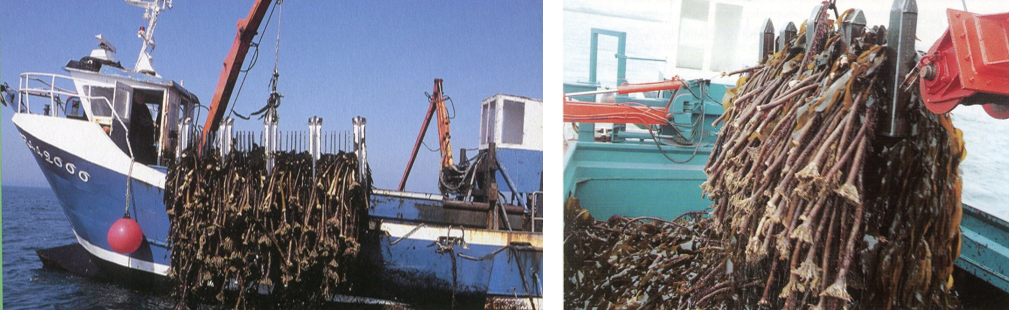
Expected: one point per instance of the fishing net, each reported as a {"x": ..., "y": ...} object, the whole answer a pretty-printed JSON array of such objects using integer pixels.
[
  {"x": 236, "y": 231},
  {"x": 811, "y": 207}
]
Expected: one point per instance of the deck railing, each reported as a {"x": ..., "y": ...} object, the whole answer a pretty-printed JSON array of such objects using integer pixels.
[{"x": 44, "y": 85}]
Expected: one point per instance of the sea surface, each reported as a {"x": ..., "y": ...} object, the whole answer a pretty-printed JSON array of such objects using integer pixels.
[{"x": 32, "y": 220}]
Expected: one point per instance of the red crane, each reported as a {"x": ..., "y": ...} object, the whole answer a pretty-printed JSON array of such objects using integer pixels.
[
  {"x": 233, "y": 65},
  {"x": 444, "y": 138}
]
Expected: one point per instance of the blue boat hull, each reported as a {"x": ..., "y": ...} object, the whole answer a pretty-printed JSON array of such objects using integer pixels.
[
  {"x": 93, "y": 197},
  {"x": 500, "y": 263},
  {"x": 400, "y": 255}
]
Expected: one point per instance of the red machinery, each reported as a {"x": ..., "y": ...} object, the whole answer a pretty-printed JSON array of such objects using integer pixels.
[
  {"x": 444, "y": 138},
  {"x": 968, "y": 65},
  {"x": 233, "y": 65},
  {"x": 631, "y": 113}
]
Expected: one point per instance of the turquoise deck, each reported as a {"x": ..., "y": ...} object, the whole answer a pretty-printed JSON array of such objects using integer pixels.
[
  {"x": 632, "y": 179},
  {"x": 984, "y": 251}
]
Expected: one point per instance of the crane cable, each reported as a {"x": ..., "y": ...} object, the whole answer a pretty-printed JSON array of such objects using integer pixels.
[{"x": 255, "y": 58}]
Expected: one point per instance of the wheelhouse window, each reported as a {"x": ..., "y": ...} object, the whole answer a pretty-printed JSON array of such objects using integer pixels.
[
  {"x": 513, "y": 126},
  {"x": 100, "y": 98}
]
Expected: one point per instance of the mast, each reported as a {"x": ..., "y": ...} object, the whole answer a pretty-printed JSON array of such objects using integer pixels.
[{"x": 151, "y": 11}]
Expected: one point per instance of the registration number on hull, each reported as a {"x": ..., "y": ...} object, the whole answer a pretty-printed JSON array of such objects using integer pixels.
[{"x": 69, "y": 167}]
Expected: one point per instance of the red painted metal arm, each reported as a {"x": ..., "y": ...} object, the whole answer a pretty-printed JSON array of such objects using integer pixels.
[
  {"x": 444, "y": 136},
  {"x": 233, "y": 64},
  {"x": 437, "y": 105},
  {"x": 647, "y": 87},
  {"x": 675, "y": 83},
  {"x": 968, "y": 65}
]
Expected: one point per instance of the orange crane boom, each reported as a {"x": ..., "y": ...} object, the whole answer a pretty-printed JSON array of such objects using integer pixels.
[
  {"x": 233, "y": 65},
  {"x": 444, "y": 138}
]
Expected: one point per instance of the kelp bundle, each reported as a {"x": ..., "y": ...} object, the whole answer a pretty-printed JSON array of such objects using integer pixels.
[
  {"x": 811, "y": 207},
  {"x": 826, "y": 211},
  {"x": 236, "y": 230}
]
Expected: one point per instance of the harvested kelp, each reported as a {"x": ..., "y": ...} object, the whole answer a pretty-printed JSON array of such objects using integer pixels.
[
  {"x": 811, "y": 207},
  {"x": 236, "y": 230},
  {"x": 844, "y": 217},
  {"x": 632, "y": 263}
]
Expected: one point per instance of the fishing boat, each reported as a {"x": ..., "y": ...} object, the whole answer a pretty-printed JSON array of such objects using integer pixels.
[{"x": 104, "y": 134}]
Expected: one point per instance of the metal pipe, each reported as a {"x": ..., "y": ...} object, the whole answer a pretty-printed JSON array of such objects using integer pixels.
[
  {"x": 184, "y": 136},
  {"x": 504, "y": 214},
  {"x": 269, "y": 140},
  {"x": 224, "y": 137},
  {"x": 508, "y": 181},
  {"x": 360, "y": 148},
  {"x": 315, "y": 141}
]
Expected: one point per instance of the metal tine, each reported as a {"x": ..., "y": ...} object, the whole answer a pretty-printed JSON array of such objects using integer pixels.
[
  {"x": 852, "y": 27},
  {"x": 812, "y": 26},
  {"x": 787, "y": 35},
  {"x": 900, "y": 51},
  {"x": 766, "y": 41}
]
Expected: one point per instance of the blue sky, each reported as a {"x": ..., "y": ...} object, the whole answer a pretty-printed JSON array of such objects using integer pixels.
[{"x": 338, "y": 59}]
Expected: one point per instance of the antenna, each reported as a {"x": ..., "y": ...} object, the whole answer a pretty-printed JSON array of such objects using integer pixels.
[{"x": 151, "y": 10}]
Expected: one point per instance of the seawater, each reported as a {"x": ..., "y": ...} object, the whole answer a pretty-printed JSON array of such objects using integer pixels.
[{"x": 32, "y": 220}]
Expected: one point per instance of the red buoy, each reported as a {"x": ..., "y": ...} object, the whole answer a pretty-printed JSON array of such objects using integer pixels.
[{"x": 125, "y": 236}]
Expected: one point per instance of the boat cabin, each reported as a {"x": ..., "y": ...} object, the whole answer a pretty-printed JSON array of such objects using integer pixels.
[
  {"x": 140, "y": 112},
  {"x": 511, "y": 122},
  {"x": 515, "y": 125}
]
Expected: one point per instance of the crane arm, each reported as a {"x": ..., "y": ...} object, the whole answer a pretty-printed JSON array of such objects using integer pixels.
[
  {"x": 444, "y": 138},
  {"x": 233, "y": 64}
]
